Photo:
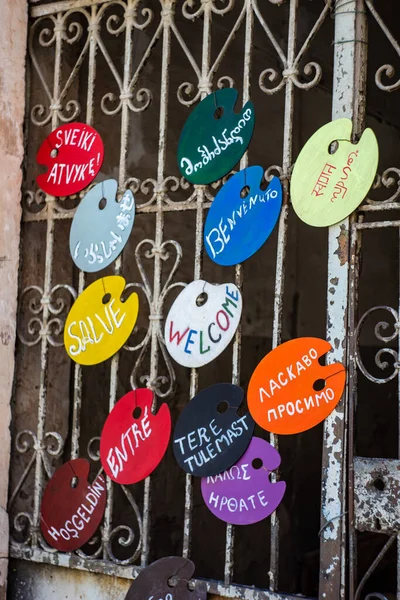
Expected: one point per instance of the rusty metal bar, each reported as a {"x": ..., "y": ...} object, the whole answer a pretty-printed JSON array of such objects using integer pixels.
[
  {"x": 349, "y": 81},
  {"x": 167, "y": 15},
  {"x": 236, "y": 351},
  {"x": 355, "y": 249},
  {"x": 77, "y": 394},
  {"x": 204, "y": 86},
  {"x": 72, "y": 561}
]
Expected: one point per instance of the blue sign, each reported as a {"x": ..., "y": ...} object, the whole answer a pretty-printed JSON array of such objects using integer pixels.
[{"x": 238, "y": 223}]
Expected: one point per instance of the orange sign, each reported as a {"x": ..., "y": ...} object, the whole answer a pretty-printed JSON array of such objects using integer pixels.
[{"x": 290, "y": 391}]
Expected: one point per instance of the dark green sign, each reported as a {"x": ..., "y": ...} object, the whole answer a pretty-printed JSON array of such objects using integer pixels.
[{"x": 214, "y": 137}]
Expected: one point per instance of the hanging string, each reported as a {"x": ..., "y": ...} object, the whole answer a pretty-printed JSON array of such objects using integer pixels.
[
  {"x": 330, "y": 521},
  {"x": 54, "y": 151},
  {"x": 175, "y": 576},
  {"x": 333, "y": 374}
]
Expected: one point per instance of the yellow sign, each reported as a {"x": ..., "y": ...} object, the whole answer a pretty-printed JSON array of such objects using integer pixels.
[
  {"x": 332, "y": 176},
  {"x": 99, "y": 323}
]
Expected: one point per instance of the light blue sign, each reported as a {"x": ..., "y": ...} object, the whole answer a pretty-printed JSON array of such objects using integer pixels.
[
  {"x": 237, "y": 223},
  {"x": 101, "y": 226}
]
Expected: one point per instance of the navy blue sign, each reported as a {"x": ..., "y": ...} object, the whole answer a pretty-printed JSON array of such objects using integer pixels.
[
  {"x": 242, "y": 217},
  {"x": 210, "y": 435}
]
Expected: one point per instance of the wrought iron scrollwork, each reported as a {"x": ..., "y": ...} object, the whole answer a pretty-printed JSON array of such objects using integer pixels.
[
  {"x": 50, "y": 327},
  {"x": 385, "y": 70},
  {"x": 380, "y": 360}
]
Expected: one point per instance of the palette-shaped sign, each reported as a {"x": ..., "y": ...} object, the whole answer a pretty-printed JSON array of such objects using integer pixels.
[
  {"x": 134, "y": 439},
  {"x": 332, "y": 176},
  {"x": 101, "y": 226},
  {"x": 210, "y": 436},
  {"x": 290, "y": 391},
  {"x": 201, "y": 322},
  {"x": 73, "y": 154},
  {"x": 244, "y": 494},
  {"x": 167, "y": 579},
  {"x": 242, "y": 217},
  {"x": 99, "y": 322},
  {"x": 72, "y": 509},
  {"x": 214, "y": 137}
]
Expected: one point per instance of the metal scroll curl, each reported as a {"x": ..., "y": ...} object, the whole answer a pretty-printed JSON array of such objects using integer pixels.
[
  {"x": 162, "y": 385},
  {"x": 386, "y": 69},
  {"x": 389, "y": 180},
  {"x": 49, "y": 31},
  {"x": 382, "y": 353},
  {"x": 47, "y": 323}
]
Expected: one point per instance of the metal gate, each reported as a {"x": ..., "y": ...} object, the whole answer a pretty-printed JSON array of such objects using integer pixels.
[{"x": 134, "y": 69}]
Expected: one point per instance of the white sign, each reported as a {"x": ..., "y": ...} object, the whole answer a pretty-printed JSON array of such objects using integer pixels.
[{"x": 202, "y": 322}]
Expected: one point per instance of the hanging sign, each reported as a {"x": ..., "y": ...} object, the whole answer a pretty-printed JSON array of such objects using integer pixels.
[
  {"x": 214, "y": 137},
  {"x": 134, "y": 440},
  {"x": 201, "y": 322},
  {"x": 73, "y": 155},
  {"x": 244, "y": 494},
  {"x": 290, "y": 391},
  {"x": 99, "y": 323},
  {"x": 101, "y": 226},
  {"x": 242, "y": 217},
  {"x": 167, "y": 579},
  {"x": 327, "y": 187},
  {"x": 210, "y": 436},
  {"x": 72, "y": 509}
]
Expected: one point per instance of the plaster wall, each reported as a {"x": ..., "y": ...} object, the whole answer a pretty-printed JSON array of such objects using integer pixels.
[{"x": 12, "y": 107}]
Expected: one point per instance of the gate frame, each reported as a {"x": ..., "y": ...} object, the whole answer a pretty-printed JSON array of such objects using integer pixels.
[{"x": 348, "y": 100}]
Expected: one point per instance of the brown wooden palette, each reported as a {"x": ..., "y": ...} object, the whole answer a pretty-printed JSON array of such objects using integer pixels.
[
  {"x": 72, "y": 508},
  {"x": 167, "y": 579}
]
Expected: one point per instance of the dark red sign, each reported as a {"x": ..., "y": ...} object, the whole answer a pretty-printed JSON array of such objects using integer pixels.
[
  {"x": 167, "y": 579},
  {"x": 71, "y": 507},
  {"x": 134, "y": 440},
  {"x": 73, "y": 155}
]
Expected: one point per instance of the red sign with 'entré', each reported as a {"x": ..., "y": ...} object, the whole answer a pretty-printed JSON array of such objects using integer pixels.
[
  {"x": 134, "y": 437},
  {"x": 73, "y": 155},
  {"x": 72, "y": 508}
]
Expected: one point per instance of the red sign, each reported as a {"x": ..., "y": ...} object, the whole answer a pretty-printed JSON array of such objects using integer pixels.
[
  {"x": 72, "y": 508},
  {"x": 73, "y": 155},
  {"x": 290, "y": 391},
  {"x": 134, "y": 440}
]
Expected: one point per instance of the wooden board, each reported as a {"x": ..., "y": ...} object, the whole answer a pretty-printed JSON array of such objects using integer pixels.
[
  {"x": 99, "y": 323},
  {"x": 237, "y": 226},
  {"x": 244, "y": 494},
  {"x": 195, "y": 334},
  {"x": 326, "y": 188},
  {"x": 134, "y": 439},
  {"x": 167, "y": 579},
  {"x": 101, "y": 227},
  {"x": 210, "y": 436},
  {"x": 290, "y": 391},
  {"x": 72, "y": 509},
  {"x": 214, "y": 137},
  {"x": 73, "y": 154}
]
